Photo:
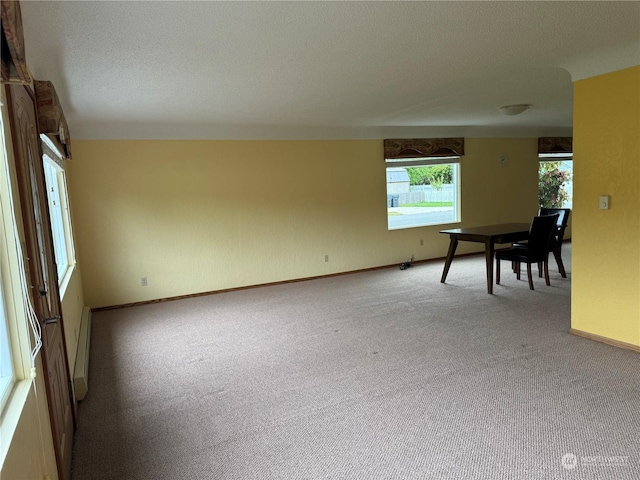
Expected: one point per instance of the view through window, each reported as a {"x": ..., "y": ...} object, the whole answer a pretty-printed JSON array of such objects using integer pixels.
[
  {"x": 422, "y": 191},
  {"x": 555, "y": 181}
]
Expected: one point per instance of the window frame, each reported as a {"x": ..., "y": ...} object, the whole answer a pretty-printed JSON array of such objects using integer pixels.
[
  {"x": 59, "y": 214},
  {"x": 13, "y": 290},
  {"x": 7, "y": 368},
  {"x": 430, "y": 161}
]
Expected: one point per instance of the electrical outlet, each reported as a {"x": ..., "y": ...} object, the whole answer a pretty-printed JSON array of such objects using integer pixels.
[
  {"x": 326, "y": 258},
  {"x": 143, "y": 281},
  {"x": 421, "y": 241}
]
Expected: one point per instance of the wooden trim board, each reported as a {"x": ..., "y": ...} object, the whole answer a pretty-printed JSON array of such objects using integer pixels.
[{"x": 608, "y": 341}]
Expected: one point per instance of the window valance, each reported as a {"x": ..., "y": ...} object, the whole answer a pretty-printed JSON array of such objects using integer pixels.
[
  {"x": 14, "y": 64},
  {"x": 423, "y": 147},
  {"x": 51, "y": 121},
  {"x": 555, "y": 145}
]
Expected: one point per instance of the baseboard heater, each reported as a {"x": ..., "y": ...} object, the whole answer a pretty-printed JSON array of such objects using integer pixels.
[{"x": 81, "y": 368}]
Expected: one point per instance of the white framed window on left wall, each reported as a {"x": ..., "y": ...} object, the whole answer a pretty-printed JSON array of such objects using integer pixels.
[
  {"x": 59, "y": 214},
  {"x": 7, "y": 368}
]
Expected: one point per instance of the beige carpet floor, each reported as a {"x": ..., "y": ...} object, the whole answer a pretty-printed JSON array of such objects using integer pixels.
[{"x": 386, "y": 374}]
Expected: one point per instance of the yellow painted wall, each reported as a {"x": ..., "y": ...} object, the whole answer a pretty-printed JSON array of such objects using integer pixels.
[
  {"x": 198, "y": 216},
  {"x": 606, "y": 246}
]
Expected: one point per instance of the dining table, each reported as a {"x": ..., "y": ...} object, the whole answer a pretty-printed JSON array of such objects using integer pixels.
[{"x": 490, "y": 235}]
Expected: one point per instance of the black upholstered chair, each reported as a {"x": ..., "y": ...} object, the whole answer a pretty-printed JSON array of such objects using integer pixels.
[
  {"x": 536, "y": 250},
  {"x": 556, "y": 240}
]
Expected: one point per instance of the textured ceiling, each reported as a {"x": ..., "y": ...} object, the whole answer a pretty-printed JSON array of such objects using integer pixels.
[{"x": 296, "y": 70}]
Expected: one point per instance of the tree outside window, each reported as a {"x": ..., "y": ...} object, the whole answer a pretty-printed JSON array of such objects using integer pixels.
[
  {"x": 436, "y": 175},
  {"x": 555, "y": 184}
]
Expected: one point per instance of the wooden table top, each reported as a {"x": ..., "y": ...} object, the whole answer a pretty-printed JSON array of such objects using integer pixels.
[{"x": 489, "y": 230}]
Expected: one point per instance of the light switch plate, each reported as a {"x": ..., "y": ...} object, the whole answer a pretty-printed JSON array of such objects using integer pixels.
[{"x": 604, "y": 202}]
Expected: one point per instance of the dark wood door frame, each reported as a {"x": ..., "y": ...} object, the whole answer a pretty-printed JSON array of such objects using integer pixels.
[{"x": 41, "y": 271}]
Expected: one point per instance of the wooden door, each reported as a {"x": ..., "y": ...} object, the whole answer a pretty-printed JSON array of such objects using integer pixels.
[{"x": 42, "y": 273}]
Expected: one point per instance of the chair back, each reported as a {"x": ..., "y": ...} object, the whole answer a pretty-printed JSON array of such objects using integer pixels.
[
  {"x": 541, "y": 232},
  {"x": 563, "y": 219}
]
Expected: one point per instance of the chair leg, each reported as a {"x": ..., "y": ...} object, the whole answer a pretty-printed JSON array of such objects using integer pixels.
[
  {"x": 557, "y": 255},
  {"x": 563, "y": 273},
  {"x": 540, "y": 269},
  {"x": 546, "y": 272},
  {"x": 497, "y": 271},
  {"x": 529, "y": 276},
  {"x": 518, "y": 270}
]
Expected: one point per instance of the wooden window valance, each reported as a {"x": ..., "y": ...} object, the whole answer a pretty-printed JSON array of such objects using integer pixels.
[
  {"x": 51, "y": 121},
  {"x": 555, "y": 145},
  {"x": 423, "y": 147},
  {"x": 14, "y": 64}
]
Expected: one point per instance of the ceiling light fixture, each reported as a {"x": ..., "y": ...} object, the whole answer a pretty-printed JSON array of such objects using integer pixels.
[{"x": 514, "y": 109}]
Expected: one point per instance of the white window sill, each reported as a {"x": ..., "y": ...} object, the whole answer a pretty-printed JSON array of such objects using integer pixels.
[
  {"x": 65, "y": 280},
  {"x": 11, "y": 415}
]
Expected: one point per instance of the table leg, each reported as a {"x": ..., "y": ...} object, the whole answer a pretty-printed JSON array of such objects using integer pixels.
[
  {"x": 452, "y": 250},
  {"x": 489, "y": 250}
]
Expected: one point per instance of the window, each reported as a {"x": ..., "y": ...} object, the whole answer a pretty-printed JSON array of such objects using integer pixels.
[
  {"x": 60, "y": 219},
  {"x": 423, "y": 191},
  {"x": 20, "y": 338},
  {"x": 555, "y": 180},
  {"x": 11, "y": 368},
  {"x": 7, "y": 370}
]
